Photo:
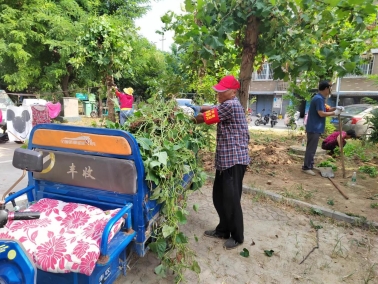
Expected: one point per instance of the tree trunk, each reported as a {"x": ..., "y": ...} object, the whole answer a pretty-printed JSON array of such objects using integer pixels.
[
  {"x": 248, "y": 57},
  {"x": 110, "y": 96},
  {"x": 64, "y": 82}
]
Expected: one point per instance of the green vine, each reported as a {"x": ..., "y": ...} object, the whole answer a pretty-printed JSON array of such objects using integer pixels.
[{"x": 169, "y": 142}]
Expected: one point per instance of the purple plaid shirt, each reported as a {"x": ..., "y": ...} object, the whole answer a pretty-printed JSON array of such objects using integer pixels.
[{"x": 232, "y": 136}]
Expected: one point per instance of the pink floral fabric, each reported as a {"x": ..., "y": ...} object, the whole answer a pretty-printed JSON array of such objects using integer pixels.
[{"x": 66, "y": 238}]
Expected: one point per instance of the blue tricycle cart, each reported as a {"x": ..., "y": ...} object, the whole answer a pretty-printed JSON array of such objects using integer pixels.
[{"x": 90, "y": 208}]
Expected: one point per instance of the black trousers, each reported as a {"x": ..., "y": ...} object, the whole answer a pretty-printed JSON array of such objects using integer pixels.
[
  {"x": 227, "y": 191},
  {"x": 312, "y": 145}
]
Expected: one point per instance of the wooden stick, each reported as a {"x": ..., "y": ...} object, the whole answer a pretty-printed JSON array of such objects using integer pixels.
[
  {"x": 16, "y": 137},
  {"x": 339, "y": 189},
  {"x": 341, "y": 146}
]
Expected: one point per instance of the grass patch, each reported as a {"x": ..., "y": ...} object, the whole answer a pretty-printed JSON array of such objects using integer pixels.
[
  {"x": 330, "y": 202},
  {"x": 297, "y": 191}
]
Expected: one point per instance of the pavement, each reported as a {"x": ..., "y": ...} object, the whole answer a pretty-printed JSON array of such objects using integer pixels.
[
  {"x": 280, "y": 126},
  {"x": 8, "y": 174},
  {"x": 344, "y": 254}
]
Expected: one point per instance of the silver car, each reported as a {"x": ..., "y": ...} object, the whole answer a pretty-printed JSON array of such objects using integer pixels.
[
  {"x": 187, "y": 110},
  {"x": 355, "y": 117}
]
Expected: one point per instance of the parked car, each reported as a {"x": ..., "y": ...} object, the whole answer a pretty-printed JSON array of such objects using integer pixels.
[
  {"x": 182, "y": 104},
  {"x": 355, "y": 117}
]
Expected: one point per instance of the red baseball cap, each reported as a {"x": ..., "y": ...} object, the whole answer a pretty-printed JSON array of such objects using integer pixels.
[{"x": 227, "y": 83}]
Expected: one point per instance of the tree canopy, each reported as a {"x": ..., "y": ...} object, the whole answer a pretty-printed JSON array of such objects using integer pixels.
[{"x": 301, "y": 38}]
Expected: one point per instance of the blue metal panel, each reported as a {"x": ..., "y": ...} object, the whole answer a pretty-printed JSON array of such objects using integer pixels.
[
  {"x": 15, "y": 265},
  {"x": 264, "y": 102},
  {"x": 141, "y": 211}
]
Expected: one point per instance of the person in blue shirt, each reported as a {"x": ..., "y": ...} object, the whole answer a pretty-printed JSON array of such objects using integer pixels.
[{"x": 316, "y": 123}]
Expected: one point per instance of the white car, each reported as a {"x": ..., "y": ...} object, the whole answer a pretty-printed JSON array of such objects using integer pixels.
[{"x": 187, "y": 110}]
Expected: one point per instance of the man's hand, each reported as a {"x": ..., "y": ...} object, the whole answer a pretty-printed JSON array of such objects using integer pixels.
[
  {"x": 337, "y": 111},
  {"x": 196, "y": 109},
  {"x": 341, "y": 108}
]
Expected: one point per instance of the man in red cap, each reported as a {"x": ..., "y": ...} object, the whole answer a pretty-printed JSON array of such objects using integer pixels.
[{"x": 231, "y": 159}]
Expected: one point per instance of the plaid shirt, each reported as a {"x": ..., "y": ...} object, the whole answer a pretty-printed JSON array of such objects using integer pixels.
[{"x": 232, "y": 136}]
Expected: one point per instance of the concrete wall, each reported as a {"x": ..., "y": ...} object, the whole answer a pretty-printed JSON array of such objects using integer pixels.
[
  {"x": 358, "y": 84},
  {"x": 262, "y": 86}
]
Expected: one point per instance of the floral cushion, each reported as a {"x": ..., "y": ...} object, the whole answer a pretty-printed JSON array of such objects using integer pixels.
[{"x": 66, "y": 238}]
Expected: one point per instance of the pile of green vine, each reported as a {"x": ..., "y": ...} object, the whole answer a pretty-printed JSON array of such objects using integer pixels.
[{"x": 169, "y": 142}]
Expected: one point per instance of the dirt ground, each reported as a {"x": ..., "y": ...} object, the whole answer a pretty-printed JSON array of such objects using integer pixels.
[
  {"x": 345, "y": 255},
  {"x": 276, "y": 169}
]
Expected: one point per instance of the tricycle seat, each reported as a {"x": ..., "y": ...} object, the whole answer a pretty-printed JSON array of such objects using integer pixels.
[
  {"x": 85, "y": 171},
  {"x": 67, "y": 237}
]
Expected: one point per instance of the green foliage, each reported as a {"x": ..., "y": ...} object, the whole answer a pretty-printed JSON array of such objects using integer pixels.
[
  {"x": 316, "y": 227},
  {"x": 329, "y": 127},
  {"x": 328, "y": 164},
  {"x": 40, "y": 41},
  {"x": 302, "y": 39},
  {"x": 373, "y": 121},
  {"x": 374, "y": 205},
  {"x": 244, "y": 253},
  {"x": 269, "y": 252},
  {"x": 330, "y": 202},
  {"x": 351, "y": 150},
  {"x": 169, "y": 142},
  {"x": 370, "y": 170}
]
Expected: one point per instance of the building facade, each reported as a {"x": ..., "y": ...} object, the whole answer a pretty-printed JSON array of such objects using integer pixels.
[{"x": 351, "y": 88}]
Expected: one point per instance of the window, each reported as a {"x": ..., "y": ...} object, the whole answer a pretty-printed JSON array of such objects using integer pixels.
[
  {"x": 264, "y": 73},
  {"x": 366, "y": 69}
]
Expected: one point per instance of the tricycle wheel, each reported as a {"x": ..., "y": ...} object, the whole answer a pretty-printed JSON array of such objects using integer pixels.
[{"x": 93, "y": 114}]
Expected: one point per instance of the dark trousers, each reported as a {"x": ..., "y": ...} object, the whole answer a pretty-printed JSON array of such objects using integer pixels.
[
  {"x": 311, "y": 146},
  {"x": 227, "y": 191},
  {"x": 331, "y": 146}
]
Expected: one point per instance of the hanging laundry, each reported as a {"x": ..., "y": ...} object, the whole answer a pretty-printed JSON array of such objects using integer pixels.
[
  {"x": 19, "y": 122},
  {"x": 40, "y": 114},
  {"x": 54, "y": 109}
]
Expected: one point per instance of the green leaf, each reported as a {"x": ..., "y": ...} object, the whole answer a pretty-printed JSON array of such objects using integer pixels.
[
  {"x": 181, "y": 238},
  {"x": 161, "y": 270},
  {"x": 159, "y": 247},
  {"x": 244, "y": 253},
  {"x": 196, "y": 238},
  {"x": 167, "y": 231},
  {"x": 152, "y": 177},
  {"x": 181, "y": 217},
  {"x": 333, "y": 3},
  {"x": 145, "y": 143},
  {"x": 350, "y": 66},
  {"x": 316, "y": 227},
  {"x": 195, "y": 207},
  {"x": 269, "y": 252},
  {"x": 273, "y": 2},
  {"x": 195, "y": 267},
  {"x": 154, "y": 164},
  {"x": 189, "y": 7},
  {"x": 162, "y": 157}
]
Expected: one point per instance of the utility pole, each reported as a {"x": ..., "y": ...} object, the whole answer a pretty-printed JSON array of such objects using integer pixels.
[{"x": 162, "y": 41}]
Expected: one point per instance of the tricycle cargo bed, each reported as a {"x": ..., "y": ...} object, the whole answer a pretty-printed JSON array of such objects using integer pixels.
[{"x": 96, "y": 167}]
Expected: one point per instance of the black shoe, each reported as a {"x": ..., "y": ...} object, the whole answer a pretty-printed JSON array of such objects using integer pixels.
[
  {"x": 214, "y": 234},
  {"x": 231, "y": 244}
]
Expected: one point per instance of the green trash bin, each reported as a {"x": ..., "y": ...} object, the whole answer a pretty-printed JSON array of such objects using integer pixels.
[{"x": 87, "y": 106}]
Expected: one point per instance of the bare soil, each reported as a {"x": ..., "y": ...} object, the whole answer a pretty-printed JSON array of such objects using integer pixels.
[{"x": 274, "y": 168}]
